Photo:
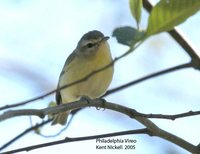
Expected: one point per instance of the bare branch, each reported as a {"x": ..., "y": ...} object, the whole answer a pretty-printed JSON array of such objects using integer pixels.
[
  {"x": 69, "y": 139},
  {"x": 170, "y": 117},
  {"x": 98, "y": 103},
  {"x": 74, "y": 112},
  {"x": 156, "y": 131},
  {"x": 151, "y": 127},
  {"x": 172, "y": 69},
  {"x": 24, "y": 133}
]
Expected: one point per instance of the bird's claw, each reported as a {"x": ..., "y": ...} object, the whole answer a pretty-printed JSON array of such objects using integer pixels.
[
  {"x": 85, "y": 98},
  {"x": 103, "y": 102}
]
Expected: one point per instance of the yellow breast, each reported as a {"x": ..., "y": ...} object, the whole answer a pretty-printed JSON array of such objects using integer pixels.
[{"x": 80, "y": 67}]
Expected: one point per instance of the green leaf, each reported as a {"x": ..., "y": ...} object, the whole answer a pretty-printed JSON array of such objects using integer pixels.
[
  {"x": 169, "y": 13},
  {"x": 136, "y": 7},
  {"x": 128, "y": 35}
]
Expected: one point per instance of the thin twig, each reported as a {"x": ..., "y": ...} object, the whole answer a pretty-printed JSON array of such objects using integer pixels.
[
  {"x": 172, "y": 69},
  {"x": 156, "y": 131},
  {"x": 180, "y": 39},
  {"x": 69, "y": 139},
  {"x": 24, "y": 133},
  {"x": 74, "y": 112}
]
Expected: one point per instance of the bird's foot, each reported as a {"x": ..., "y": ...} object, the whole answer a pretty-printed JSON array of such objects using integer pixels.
[
  {"x": 85, "y": 98},
  {"x": 103, "y": 101}
]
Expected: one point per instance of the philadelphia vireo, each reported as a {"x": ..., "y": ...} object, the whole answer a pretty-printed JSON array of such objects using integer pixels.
[{"x": 91, "y": 53}]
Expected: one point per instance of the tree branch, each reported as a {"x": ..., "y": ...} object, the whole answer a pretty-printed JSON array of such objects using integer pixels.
[
  {"x": 177, "y": 35},
  {"x": 32, "y": 128},
  {"x": 24, "y": 133},
  {"x": 156, "y": 131},
  {"x": 98, "y": 103},
  {"x": 172, "y": 69},
  {"x": 69, "y": 139},
  {"x": 151, "y": 127}
]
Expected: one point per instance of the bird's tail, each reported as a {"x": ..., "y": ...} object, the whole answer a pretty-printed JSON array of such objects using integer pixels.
[{"x": 60, "y": 118}]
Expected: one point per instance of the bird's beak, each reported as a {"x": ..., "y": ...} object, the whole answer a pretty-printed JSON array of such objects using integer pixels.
[{"x": 105, "y": 38}]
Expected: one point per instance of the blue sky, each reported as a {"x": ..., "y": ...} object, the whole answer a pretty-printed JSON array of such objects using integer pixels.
[{"x": 36, "y": 38}]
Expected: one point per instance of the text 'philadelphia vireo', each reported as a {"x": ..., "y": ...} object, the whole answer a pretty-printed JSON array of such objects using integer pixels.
[{"x": 91, "y": 53}]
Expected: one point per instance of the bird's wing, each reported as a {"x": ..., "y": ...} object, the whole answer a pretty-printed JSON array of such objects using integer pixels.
[{"x": 67, "y": 62}]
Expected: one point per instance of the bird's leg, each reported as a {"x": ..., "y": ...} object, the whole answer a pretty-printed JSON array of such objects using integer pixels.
[
  {"x": 85, "y": 98},
  {"x": 103, "y": 102}
]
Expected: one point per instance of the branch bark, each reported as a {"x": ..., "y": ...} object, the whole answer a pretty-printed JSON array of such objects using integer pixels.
[
  {"x": 172, "y": 69},
  {"x": 24, "y": 133},
  {"x": 99, "y": 103},
  {"x": 75, "y": 139}
]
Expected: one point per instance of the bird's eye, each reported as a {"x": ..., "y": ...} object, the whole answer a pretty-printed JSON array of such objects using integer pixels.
[{"x": 89, "y": 45}]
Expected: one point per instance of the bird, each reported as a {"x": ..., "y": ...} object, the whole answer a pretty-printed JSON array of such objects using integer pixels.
[{"x": 91, "y": 53}]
